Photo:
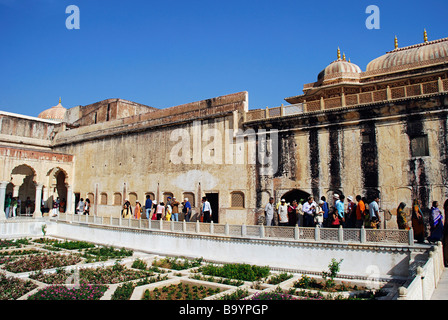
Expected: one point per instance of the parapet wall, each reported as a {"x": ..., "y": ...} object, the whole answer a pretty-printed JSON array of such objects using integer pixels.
[
  {"x": 366, "y": 260},
  {"x": 176, "y": 115}
]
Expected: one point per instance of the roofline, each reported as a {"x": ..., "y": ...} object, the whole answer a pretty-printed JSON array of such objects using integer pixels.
[{"x": 17, "y": 115}]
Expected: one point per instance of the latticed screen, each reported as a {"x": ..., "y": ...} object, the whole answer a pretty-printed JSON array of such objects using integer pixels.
[{"x": 237, "y": 199}]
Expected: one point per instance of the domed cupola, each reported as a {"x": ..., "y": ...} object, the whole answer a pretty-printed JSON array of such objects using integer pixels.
[
  {"x": 340, "y": 69},
  {"x": 56, "y": 113},
  {"x": 417, "y": 56}
]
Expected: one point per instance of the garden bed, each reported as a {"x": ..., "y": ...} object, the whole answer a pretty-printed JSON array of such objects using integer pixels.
[
  {"x": 30, "y": 269},
  {"x": 179, "y": 289}
]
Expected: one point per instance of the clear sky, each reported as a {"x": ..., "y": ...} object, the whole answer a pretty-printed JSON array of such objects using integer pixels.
[{"x": 169, "y": 52}]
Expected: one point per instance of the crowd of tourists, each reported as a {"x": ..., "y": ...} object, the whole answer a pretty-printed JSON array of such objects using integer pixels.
[
  {"x": 356, "y": 213},
  {"x": 14, "y": 206},
  {"x": 168, "y": 211}
]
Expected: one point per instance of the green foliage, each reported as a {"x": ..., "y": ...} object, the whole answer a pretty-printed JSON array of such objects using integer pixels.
[
  {"x": 238, "y": 294},
  {"x": 280, "y": 278},
  {"x": 123, "y": 292},
  {"x": 237, "y": 271},
  {"x": 139, "y": 264},
  {"x": 333, "y": 269}
]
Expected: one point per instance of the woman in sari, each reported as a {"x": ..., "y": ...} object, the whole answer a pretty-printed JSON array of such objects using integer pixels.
[
  {"x": 126, "y": 212},
  {"x": 417, "y": 222},
  {"x": 138, "y": 210},
  {"x": 401, "y": 217},
  {"x": 436, "y": 223}
]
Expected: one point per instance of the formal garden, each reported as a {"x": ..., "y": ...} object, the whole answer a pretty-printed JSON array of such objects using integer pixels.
[{"x": 47, "y": 268}]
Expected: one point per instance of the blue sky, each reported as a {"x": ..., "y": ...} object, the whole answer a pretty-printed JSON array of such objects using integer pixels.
[{"x": 170, "y": 52}]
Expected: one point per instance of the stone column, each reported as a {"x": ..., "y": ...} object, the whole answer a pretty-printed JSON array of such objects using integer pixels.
[
  {"x": 69, "y": 203},
  {"x": 3, "y": 185},
  {"x": 37, "y": 213},
  {"x": 15, "y": 191},
  {"x": 45, "y": 196}
]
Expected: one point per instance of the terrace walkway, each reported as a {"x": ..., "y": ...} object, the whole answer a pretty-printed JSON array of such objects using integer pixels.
[{"x": 441, "y": 291}]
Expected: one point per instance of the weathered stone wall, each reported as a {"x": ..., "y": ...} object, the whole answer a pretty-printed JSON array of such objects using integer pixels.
[
  {"x": 104, "y": 111},
  {"x": 364, "y": 150},
  {"x": 134, "y": 156}
]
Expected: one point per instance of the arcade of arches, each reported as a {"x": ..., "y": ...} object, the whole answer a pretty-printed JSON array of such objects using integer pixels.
[{"x": 38, "y": 178}]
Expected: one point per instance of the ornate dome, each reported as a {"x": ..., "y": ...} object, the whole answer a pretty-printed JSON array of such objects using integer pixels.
[
  {"x": 340, "y": 68},
  {"x": 411, "y": 57},
  {"x": 56, "y": 113}
]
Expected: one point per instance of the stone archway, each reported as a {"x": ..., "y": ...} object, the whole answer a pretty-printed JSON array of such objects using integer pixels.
[
  {"x": 57, "y": 188},
  {"x": 295, "y": 194},
  {"x": 23, "y": 188}
]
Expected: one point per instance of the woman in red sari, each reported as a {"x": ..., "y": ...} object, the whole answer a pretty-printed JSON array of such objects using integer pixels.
[{"x": 417, "y": 222}]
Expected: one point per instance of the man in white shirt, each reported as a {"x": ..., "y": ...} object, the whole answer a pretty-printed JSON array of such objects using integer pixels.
[
  {"x": 309, "y": 209},
  {"x": 269, "y": 212},
  {"x": 283, "y": 213},
  {"x": 206, "y": 209}
]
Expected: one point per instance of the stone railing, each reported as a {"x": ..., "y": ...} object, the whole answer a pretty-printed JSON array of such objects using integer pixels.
[
  {"x": 349, "y": 100},
  {"x": 387, "y": 236},
  {"x": 425, "y": 278}
]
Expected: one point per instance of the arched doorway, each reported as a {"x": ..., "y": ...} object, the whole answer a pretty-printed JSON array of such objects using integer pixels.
[
  {"x": 295, "y": 194},
  {"x": 57, "y": 188},
  {"x": 23, "y": 188}
]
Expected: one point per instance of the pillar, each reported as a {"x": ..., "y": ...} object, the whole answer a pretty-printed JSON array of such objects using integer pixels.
[
  {"x": 37, "y": 213},
  {"x": 45, "y": 197},
  {"x": 15, "y": 191},
  {"x": 3, "y": 185},
  {"x": 69, "y": 204}
]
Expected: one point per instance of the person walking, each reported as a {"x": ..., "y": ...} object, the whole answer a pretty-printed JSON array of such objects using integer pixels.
[
  {"x": 326, "y": 211},
  {"x": 309, "y": 209},
  {"x": 283, "y": 213},
  {"x": 269, "y": 212},
  {"x": 187, "y": 210},
  {"x": 138, "y": 210},
  {"x": 418, "y": 224},
  {"x": 401, "y": 217},
  {"x": 206, "y": 210},
  {"x": 168, "y": 212},
  {"x": 14, "y": 207},
  {"x": 339, "y": 206},
  {"x": 360, "y": 212},
  {"x": 436, "y": 223},
  {"x": 374, "y": 212},
  {"x": 160, "y": 210},
  {"x": 319, "y": 217},
  {"x": 87, "y": 207},
  {"x": 175, "y": 205},
  {"x": 80, "y": 206},
  {"x": 334, "y": 219},
  {"x": 292, "y": 213},
  {"x": 148, "y": 206},
  {"x": 126, "y": 212}
]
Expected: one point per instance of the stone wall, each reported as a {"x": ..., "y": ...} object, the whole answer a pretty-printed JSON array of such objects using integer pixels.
[
  {"x": 134, "y": 156},
  {"x": 395, "y": 149}
]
